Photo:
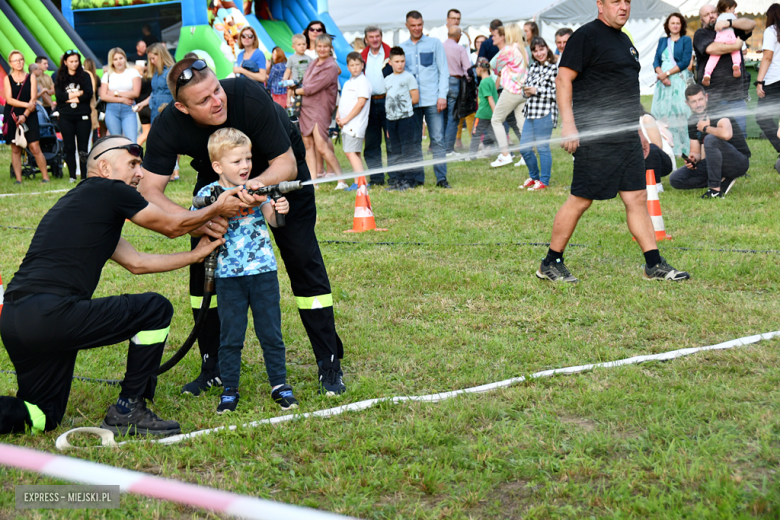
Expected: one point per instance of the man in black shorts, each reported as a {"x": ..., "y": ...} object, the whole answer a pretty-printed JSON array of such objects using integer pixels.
[
  {"x": 721, "y": 139},
  {"x": 49, "y": 316},
  {"x": 204, "y": 105},
  {"x": 598, "y": 88}
]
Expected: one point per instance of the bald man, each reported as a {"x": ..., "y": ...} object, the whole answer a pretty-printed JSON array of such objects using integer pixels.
[
  {"x": 49, "y": 314},
  {"x": 458, "y": 62}
]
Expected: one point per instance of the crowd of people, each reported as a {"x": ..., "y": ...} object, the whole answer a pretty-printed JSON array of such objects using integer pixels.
[{"x": 271, "y": 122}]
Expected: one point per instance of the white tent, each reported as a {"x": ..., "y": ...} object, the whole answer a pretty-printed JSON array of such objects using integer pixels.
[{"x": 645, "y": 26}]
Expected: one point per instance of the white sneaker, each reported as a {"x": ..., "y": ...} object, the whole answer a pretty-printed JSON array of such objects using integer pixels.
[
  {"x": 454, "y": 154},
  {"x": 521, "y": 162},
  {"x": 659, "y": 187},
  {"x": 502, "y": 160},
  {"x": 342, "y": 185},
  {"x": 71, "y": 181}
]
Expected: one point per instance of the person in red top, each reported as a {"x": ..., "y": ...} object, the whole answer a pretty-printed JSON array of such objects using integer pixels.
[{"x": 376, "y": 57}]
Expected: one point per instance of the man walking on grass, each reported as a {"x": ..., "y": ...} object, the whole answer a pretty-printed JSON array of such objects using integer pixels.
[{"x": 598, "y": 100}]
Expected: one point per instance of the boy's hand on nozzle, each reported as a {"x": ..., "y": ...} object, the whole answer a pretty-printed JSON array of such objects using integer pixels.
[
  {"x": 228, "y": 204},
  {"x": 205, "y": 247},
  {"x": 281, "y": 205},
  {"x": 252, "y": 200}
]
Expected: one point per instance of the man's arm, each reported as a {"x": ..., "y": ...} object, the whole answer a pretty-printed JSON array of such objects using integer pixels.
[
  {"x": 719, "y": 49},
  {"x": 180, "y": 223},
  {"x": 444, "y": 77},
  {"x": 563, "y": 96},
  {"x": 722, "y": 130},
  {"x": 142, "y": 263}
]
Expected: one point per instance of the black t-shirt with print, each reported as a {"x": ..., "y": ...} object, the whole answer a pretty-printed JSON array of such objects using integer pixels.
[
  {"x": 76, "y": 238},
  {"x": 265, "y": 122},
  {"x": 606, "y": 90},
  {"x": 737, "y": 139}
]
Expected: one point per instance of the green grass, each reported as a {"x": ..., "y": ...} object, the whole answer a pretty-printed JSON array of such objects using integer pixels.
[{"x": 697, "y": 437}]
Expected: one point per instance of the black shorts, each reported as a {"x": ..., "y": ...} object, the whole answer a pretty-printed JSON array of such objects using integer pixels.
[{"x": 602, "y": 168}]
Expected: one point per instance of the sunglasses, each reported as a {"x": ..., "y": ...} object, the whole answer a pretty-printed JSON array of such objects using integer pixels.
[
  {"x": 186, "y": 75},
  {"x": 71, "y": 52},
  {"x": 135, "y": 150},
  {"x": 248, "y": 36},
  {"x": 312, "y": 29}
]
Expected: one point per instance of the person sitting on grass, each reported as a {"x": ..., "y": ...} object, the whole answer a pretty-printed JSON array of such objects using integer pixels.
[
  {"x": 353, "y": 112},
  {"x": 49, "y": 314},
  {"x": 727, "y": 152},
  {"x": 246, "y": 276}
]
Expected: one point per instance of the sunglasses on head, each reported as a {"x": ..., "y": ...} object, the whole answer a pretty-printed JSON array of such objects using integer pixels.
[
  {"x": 71, "y": 52},
  {"x": 135, "y": 150},
  {"x": 186, "y": 75}
]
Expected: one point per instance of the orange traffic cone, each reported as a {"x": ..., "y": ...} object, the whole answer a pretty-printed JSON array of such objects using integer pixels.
[
  {"x": 1, "y": 294},
  {"x": 364, "y": 217},
  {"x": 654, "y": 207}
]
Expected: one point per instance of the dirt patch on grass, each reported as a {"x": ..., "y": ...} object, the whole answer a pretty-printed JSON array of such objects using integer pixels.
[{"x": 586, "y": 424}]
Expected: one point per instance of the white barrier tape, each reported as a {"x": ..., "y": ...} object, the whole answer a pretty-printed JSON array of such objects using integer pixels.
[
  {"x": 77, "y": 470},
  {"x": 32, "y": 193},
  {"x": 435, "y": 398}
]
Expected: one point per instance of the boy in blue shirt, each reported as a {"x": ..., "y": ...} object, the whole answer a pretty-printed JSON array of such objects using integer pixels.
[{"x": 246, "y": 276}]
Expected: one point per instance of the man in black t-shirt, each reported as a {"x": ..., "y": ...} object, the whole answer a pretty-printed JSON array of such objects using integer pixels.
[
  {"x": 727, "y": 94},
  {"x": 719, "y": 152},
  {"x": 203, "y": 105},
  {"x": 49, "y": 314},
  {"x": 598, "y": 100}
]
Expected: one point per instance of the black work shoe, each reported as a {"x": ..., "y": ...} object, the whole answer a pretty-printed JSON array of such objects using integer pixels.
[
  {"x": 555, "y": 272},
  {"x": 398, "y": 186},
  {"x": 373, "y": 184},
  {"x": 726, "y": 185},
  {"x": 228, "y": 400},
  {"x": 711, "y": 194},
  {"x": 138, "y": 421},
  {"x": 664, "y": 271},
  {"x": 443, "y": 184},
  {"x": 202, "y": 383},
  {"x": 331, "y": 382},
  {"x": 284, "y": 397}
]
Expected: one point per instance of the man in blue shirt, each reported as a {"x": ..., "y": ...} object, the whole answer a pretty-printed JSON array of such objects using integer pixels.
[{"x": 426, "y": 61}]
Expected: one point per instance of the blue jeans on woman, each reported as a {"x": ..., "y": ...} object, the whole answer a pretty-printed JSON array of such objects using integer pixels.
[
  {"x": 537, "y": 132},
  {"x": 121, "y": 120}
]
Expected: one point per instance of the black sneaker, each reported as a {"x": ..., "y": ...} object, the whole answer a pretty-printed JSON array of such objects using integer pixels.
[
  {"x": 331, "y": 382},
  {"x": 555, "y": 272},
  {"x": 726, "y": 185},
  {"x": 443, "y": 184},
  {"x": 664, "y": 271},
  {"x": 398, "y": 186},
  {"x": 711, "y": 194},
  {"x": 284, "y": 397},
  {"x": 202, "y": 383},
  {"x": 228, "y": 400},
  {"x": 138, "y": 421}
]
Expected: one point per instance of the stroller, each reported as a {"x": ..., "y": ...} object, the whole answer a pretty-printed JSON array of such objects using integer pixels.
[{"x": 51, "y": 146}]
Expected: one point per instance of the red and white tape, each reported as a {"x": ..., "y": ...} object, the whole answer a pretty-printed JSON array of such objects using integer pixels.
[{"x": 77, "y": 470}]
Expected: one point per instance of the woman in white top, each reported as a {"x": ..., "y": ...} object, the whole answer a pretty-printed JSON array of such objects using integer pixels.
[
  {"x": 768, "y": 80},
  {"x": 119, "y": 90},
  {"x": 250, "y": 62}
]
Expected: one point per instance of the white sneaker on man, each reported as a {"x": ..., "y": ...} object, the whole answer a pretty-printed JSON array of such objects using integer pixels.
[
  {"x": 503, "y": 160},
  {"x": 342, "y": 185}
]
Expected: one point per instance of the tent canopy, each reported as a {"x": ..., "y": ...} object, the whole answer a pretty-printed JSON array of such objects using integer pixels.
[
  {"x": 390, "y": 14},
  {"x": 578, "y": 12}
]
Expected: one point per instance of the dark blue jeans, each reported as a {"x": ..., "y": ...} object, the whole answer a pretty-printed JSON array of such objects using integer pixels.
[
  {"x": 377, "y": 127},
  {"x": 404, "y": 144},
  {"x": 435, "y": 121},
  {"x": 450, "y": 121},
  {"x": 536, "y": 133},
  {"x": 236, "y": 295}
]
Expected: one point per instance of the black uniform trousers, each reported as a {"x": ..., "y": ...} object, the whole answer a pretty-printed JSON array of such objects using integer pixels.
[
  {"x": 43, "y": 334},
  {"x": 297, "y": 243}
]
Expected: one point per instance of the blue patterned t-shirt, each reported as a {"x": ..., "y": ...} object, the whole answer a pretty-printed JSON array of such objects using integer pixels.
[{"x": 247, "y": 249}]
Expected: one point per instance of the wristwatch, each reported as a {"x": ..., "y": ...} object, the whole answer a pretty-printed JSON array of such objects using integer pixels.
[
  {"x": 704, "y": 130},
  {"x": 116, "y": 93},
  {"x": 668, "y": 73},
  {"x": 730, "y": 22}
]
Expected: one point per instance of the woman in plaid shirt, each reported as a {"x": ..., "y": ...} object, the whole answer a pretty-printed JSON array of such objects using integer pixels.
[{"x": 541, "y": 115}]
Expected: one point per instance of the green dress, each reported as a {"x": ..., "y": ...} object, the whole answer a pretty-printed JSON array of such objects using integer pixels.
[{"x": 669, "y": 105}]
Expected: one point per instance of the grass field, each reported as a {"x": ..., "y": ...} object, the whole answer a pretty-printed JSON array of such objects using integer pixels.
[{"x": 692, "y": 438}]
